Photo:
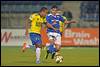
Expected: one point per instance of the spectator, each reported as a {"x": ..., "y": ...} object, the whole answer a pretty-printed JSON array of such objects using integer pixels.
[{"x": 69, "y": 17}]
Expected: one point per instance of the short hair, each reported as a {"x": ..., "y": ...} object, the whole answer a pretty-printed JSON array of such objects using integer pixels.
[
  {"x": 54, "y": 6},
  {"x": 43, "y": 9}
]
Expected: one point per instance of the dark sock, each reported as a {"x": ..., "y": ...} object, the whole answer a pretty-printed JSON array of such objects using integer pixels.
[
  {"x": 47, "y": 54},
  {"x": 53, "y": 56}
]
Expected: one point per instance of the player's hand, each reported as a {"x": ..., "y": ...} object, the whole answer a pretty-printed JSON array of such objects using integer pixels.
[
  {"x": 54, "y": 22},
  {"x": 72, "y": 21},
  {"x": 55, "y": 29}
]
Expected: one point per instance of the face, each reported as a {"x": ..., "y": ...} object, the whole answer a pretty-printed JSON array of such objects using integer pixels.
[
  {"x": 44, "y": 13},
  {"x": 54, "y": 11}
]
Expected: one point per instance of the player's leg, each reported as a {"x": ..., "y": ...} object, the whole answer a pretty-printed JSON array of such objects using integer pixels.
[
  {"x": 47, "y": 54},
  {"x": 51, "y": 37},
  {"x": 25, "y": 45},
  {"x": 51, "y": 40},
  {"x": 58, "y": 44},
  {"x": 50, "y": 49},
  {"x": 38, "y": 53},
  {"x": 38, "y": 45},
  {"x": 47, "y": 50},
  {"x": 36, "y": 40},
  {"x": 55, "y": 39},
  {"x": 53, "y": 54}
]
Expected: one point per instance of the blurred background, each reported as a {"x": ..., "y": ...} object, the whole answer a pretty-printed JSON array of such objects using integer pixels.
[
  {"x": 80, "y": 40},
  {"x": 14, "y": 13}
]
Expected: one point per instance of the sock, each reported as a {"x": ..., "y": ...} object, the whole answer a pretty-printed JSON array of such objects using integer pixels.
[{"x": 38, "y": 54}]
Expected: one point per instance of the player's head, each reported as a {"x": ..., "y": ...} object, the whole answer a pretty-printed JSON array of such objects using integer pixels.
[
  {"x": 43, "y": 11},
  {"x": 54, "y": 9}
]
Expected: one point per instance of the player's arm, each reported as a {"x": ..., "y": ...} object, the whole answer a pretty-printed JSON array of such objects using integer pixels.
[
  {"x": 72, "y": 21},
  {"x": 50, "y": 26},
  {"x": 48, "y": 23},
  {"x": 27, "y": 24},
  {"x": 44, "y": 23},
  {"x": 63, "y": 19}
]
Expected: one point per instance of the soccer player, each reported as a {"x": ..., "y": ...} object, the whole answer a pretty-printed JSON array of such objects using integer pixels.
[
  {"x": 51, "y": 48},
  {"x": 36, "y": 20},
  {"x": 53, "y": 30}
]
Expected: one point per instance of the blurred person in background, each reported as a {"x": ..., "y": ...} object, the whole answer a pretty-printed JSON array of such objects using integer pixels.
[{"x": 69, "y": 17}]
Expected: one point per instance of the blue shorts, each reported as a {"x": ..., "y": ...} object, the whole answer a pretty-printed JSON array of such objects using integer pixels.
[{"x": 35, "y": 38}]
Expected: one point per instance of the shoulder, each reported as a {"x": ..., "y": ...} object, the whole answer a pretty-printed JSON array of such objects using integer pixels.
[
  {"x": 34, "y": 15},
  {"x": 64, "y": 17},
  {"x": 49, "y": 15}
]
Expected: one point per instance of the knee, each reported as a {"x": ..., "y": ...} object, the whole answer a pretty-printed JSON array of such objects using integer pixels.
[
  {"x": 38, "y": 46},
  {"x": 57, "y": 48}
]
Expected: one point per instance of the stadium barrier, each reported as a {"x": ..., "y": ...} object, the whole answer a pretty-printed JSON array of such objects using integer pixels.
[
  {"x": 70, "y": 37},
  {"x": 77, "y": 37},
  {"x": 13, "y": 37}
]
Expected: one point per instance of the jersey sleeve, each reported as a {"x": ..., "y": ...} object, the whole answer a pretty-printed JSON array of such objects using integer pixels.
[
  {"x": 48, "y": 19},
  {"x": 61, "y": 19}
]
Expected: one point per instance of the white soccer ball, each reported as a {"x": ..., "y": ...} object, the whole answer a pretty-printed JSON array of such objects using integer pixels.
[{"x": 59, "y": 59}]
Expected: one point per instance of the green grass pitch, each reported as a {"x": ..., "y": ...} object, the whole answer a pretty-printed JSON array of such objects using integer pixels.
[{"x": 73, "y": 56}]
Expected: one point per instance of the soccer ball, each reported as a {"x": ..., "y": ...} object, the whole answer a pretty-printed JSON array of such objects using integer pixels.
[{"x": 59, "y": 59}]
